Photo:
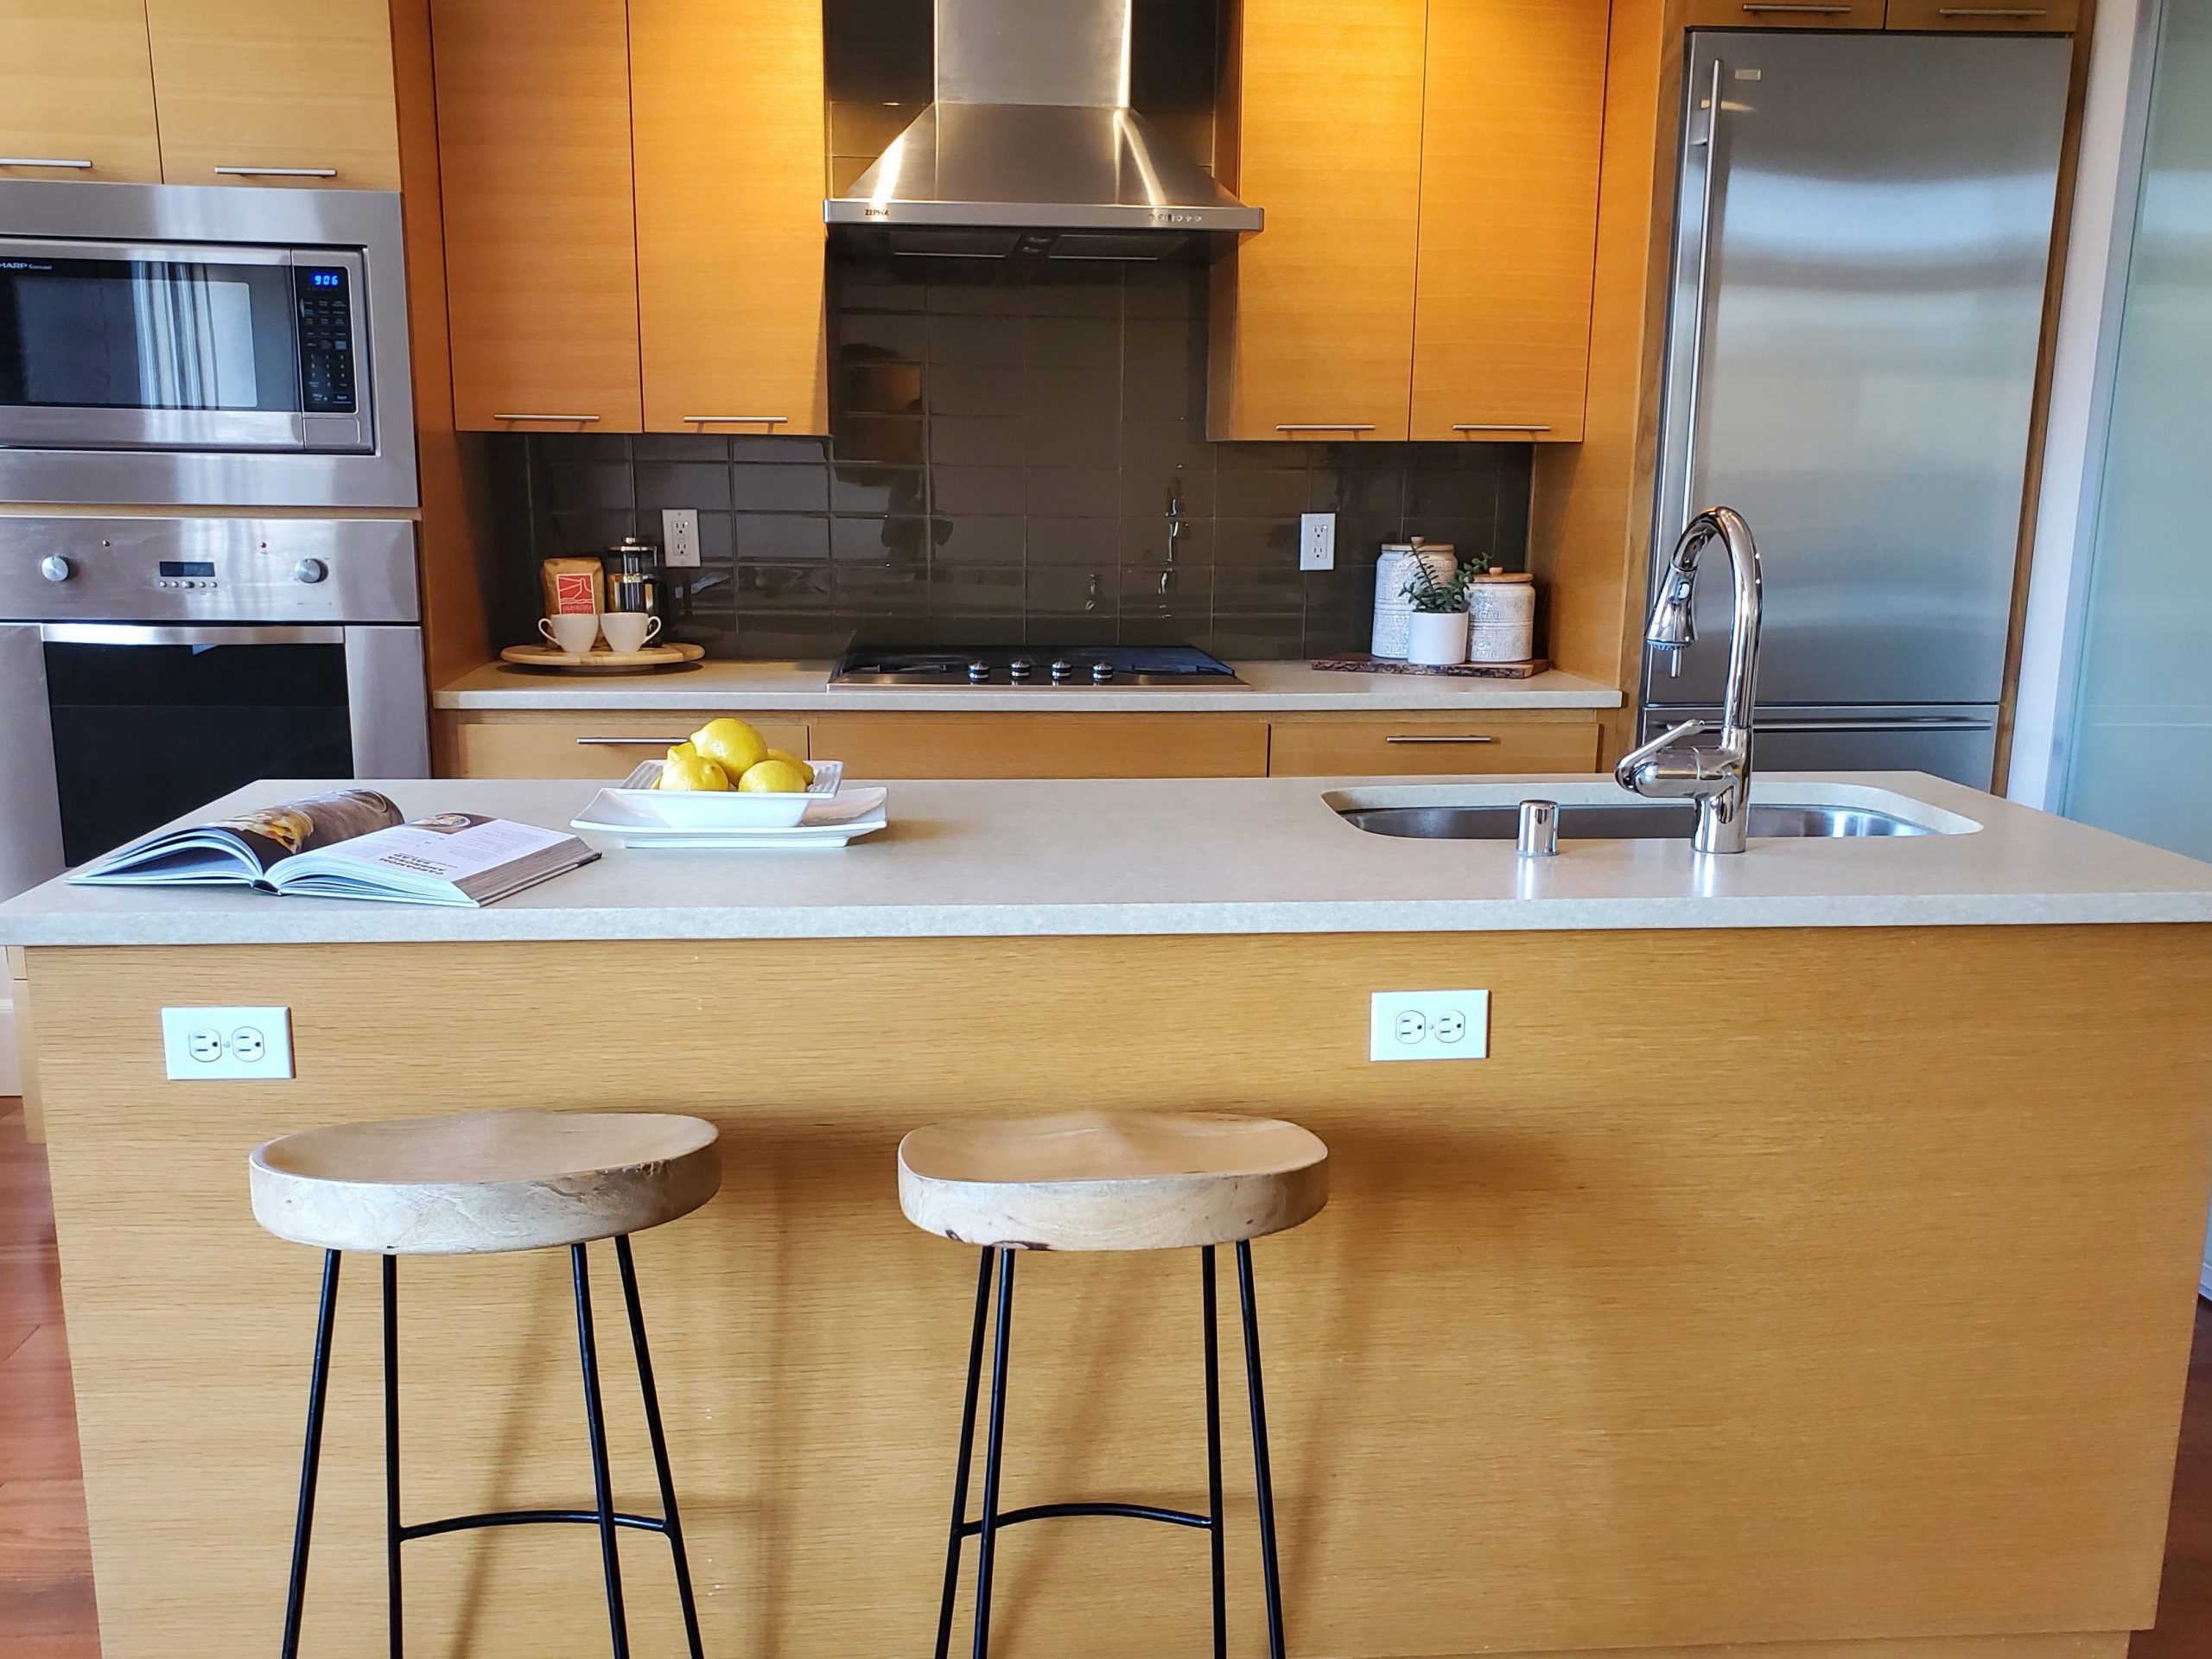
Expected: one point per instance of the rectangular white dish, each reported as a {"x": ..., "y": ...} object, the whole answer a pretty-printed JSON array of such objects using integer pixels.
[
  {"x": 829, "y": 820},
  {"x": 720, "y": 810}
]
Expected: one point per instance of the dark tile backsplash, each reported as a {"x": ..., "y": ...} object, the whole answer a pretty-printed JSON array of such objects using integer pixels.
[{"x": 1003, "y": 461}]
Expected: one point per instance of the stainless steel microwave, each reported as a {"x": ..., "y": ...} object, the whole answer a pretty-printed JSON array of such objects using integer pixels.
[{"x": 188, "y": 346}]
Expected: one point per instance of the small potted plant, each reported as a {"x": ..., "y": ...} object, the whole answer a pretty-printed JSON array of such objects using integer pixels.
[{"x": 1437, "y": 636}]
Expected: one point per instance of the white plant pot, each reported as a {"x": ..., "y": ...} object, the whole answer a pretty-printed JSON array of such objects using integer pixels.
[{"x": 1437, "y": 638}]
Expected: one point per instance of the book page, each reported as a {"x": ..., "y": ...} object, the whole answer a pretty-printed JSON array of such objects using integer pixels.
[{"x": 452, "y": 846}]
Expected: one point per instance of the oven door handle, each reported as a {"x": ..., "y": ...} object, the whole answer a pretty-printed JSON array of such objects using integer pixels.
[{"x": 141, "y": 633}]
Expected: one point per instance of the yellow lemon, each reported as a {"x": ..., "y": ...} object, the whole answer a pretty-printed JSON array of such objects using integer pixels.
[
  {"x": 683, "y": 751},
  {"x": 691, "y": 772},
  {"x": 730, "y": 744},
  {"x": 774, "y": 778},
  {"x": 785, "y": 754}
]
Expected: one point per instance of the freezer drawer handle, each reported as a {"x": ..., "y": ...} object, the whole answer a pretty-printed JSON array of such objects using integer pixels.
[
  {"x": 1910, "y": 723},
  {"x": 1439, "y": 737}
]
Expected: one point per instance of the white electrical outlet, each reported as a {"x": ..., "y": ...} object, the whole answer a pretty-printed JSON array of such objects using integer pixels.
[
  {"x": 1317, "y": 541},
  {"x": 679, "y": 535},
  {"x": 227, "y": 1042},
  {"x": 1428, "y": 1026}
]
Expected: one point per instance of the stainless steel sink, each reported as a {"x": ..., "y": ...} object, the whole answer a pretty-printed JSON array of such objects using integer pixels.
[{"x": 1625, "y": 821}]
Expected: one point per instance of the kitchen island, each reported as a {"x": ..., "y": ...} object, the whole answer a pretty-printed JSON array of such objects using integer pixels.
[{"x": 1808, "y": 1267}]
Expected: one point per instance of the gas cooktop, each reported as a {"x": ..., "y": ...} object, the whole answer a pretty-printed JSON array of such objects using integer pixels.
[{"x": 1183, "y": 666}]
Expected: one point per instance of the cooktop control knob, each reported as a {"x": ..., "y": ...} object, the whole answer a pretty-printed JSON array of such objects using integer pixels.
[
  {"x": 1102, "y": 673},
  {"x": 1062, "y": 669},
  {"x": 1021, "y": 669},
  {"x": 310, "y": 571},
  {"x": 55, "y": 568},
  {"x": 979, "y": 671}
]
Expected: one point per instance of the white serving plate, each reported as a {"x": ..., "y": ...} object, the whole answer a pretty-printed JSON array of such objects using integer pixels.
[
  {"x": 720, "y": 810},
  {"x": 831, "y": 821}
]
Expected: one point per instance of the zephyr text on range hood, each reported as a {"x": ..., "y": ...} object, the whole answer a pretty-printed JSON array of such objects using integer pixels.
[{"x": 1032, "y": 149}]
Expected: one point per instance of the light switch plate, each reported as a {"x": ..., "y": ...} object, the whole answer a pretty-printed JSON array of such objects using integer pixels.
[
  {"x": 1428, "y": 1026},
  {"x": 1317, "y": 541},
  {"x": 679, "y": 536},
  {"x": 215, "y": 1043}
]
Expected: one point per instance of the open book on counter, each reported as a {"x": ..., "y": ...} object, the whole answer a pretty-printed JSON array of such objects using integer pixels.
[{"x": 354, "y": 844}]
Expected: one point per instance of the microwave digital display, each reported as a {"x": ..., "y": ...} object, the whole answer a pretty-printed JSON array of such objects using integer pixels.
[{"x": 187, "y": 567}]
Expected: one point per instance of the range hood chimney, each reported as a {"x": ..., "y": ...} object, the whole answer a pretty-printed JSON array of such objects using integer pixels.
[{"x": 1032, "y": 149}]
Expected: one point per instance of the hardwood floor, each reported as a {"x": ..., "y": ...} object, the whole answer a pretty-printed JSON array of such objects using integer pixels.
[{"x": 46, "y": 1588}]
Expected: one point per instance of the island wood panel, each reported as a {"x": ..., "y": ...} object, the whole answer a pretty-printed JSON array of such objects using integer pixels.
[
  {"x": 76, "y": 84},
  {"x": 275, "y": 84},
  {"x": 1587, "y": 1353},
  {"x": 525, "y": 744},
  {"x": 533, "y": 108},
  {"x": 1313, "y": 317},
  {"x": 1508, "y": 219},
  {"x": 19, "y": 997},
  {"x": 1044, "y": 745},
  {"x": 726, "y": 109},
  {"x": 1993, "y": 17},
  {"x": 1783, "y": 13},
  {"x": 1430, "y": 744}
]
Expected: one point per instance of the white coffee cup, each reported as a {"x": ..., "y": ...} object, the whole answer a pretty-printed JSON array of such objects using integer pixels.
[
  {"x": 575, "y": 632},
  {"x": 627, "y": 631}
]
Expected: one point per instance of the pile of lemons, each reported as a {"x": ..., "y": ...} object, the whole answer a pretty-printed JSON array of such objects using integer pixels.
[{"x": 728, "y": 754}]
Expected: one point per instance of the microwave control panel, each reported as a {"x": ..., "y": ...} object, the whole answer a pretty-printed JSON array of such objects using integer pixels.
[{"x": 325, "y": 300}]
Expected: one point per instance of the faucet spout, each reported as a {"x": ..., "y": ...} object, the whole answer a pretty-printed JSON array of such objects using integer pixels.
[{"x": 1720, "y": 777}]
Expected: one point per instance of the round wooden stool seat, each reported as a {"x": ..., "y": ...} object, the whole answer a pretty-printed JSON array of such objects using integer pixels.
[
  {"x": 1111, "y": 1180},
  {"x": 483, "y": 1182}
]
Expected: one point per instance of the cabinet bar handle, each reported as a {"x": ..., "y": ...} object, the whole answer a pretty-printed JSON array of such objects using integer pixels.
[
  {"x": 545, "y": 418},
  {"x": 1440, "y": 737},
  {"x": 41, "y": 160},
  {"x": 737, "y": 420},
  {"x": 630, "y": 742},
  {"x": 1992, "y": 12},
  {"x": 279, "y": 172},
  {"x": 1325, "y": 426},
  {"x": 1810, "y": 11},
  {"x": 1499, "y": 426}
]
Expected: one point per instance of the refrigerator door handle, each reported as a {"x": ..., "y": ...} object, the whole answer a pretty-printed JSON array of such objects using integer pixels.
[
  {"x": 1710, "y": 196},
  {"x": 1879, "y": 723}
]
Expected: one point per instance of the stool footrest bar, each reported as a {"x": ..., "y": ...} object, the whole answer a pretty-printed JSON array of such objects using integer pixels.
[
  {"x": 1060, "y": 1511},
  {"x": 527, "y": 1518}
]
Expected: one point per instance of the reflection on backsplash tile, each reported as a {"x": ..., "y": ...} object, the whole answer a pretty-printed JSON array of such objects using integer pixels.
[{"x": 1009, "y": 460}]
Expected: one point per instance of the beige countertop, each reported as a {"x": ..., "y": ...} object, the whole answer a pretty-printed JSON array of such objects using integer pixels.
[
  {"x": 733, "y": 688},
  {"x": 1199, "y": 856}
]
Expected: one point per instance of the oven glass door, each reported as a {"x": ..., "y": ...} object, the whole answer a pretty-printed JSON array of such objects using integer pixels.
[
  {"x": 143, "y": 732},
  {"x": 106, "y": 345}
]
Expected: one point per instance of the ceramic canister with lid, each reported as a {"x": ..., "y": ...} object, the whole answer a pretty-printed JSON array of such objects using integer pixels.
[
  {"x": 1502, "y": 617},
  {"x": 1393, "y": 610}
]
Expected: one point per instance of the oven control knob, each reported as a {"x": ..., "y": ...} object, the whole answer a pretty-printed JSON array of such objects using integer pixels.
[
  {"x": 1101, "y": 673},
  {"x": 1062, "y": 669},
  {"x": 310, "y": 571},
  {"x": 55, "y": 568},
  {"x": 1020, "y": 669},
  {"x": 978, "y": 672}
]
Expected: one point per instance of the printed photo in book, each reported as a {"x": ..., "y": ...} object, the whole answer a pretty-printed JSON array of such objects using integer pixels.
[{"x": 353, "y": 843}]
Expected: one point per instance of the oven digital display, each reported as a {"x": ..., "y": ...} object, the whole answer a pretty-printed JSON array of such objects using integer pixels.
[{"x": 188, "y": 567}]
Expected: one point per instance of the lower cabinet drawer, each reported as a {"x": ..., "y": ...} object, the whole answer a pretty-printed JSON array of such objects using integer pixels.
[
  {"x": 1786, "y": 14},
  {"x": 606, "y": 746},
  {"x": 1043, "y": 745},
  {"x": 1427, "y": 746}
]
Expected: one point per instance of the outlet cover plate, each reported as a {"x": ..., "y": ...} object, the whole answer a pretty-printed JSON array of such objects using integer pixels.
[
  {"x": 679, "y": 537},
  {"x": 1317, "y": 541},
  {"x": 1428, "y": 1026},
  {"x": 218, "y": 1043}
]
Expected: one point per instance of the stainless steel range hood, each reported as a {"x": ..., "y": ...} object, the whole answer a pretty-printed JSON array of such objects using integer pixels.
[{"x": 1032, "y": 149}]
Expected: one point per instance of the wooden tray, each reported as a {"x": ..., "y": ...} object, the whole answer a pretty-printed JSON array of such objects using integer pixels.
[
  {"x": 1367, "y": 664},
  {"x": 602, "y": 662}
]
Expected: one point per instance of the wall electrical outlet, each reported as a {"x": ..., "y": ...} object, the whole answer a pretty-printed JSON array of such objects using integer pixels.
[
  {"x": 1317, "y": 541},
  {"x": 227, "y": 1042},
  {"x": 1428, "y": 1026},
  {"x": 679, "y": 537}
]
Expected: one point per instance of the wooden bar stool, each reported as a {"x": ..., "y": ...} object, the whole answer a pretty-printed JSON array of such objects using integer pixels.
[
  {"x": 487, "y": 1182},
  {"x": 1101, "y": 1181}
]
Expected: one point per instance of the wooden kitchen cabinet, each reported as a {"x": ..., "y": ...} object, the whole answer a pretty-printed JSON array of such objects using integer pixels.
[
  {"x": 275, "y": 92},
  {"x": 2035, "y": 17},
  {"x": 541, "y": 244},
  {"x": 526, "y": 743},
  {"x": 727, "y": 114},
  {"x": 1314, "y": 317},
  {"x": 892, "y": 746},
  {"x": 76, "y": 85},
  {"x": 1425, "y": 745},
  {"x": 1508, "y": 219},
  {"x": 1783, "y": 13}
]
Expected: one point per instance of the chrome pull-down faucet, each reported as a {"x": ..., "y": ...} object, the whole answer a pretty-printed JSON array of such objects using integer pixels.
[{"x": 1718, "y": 778}]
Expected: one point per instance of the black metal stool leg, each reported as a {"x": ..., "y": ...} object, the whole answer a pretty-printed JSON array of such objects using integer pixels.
[
  {"x": 987, "y": 1534},
  {"x": 311, "y": 1457},
  {"x": 966, "y": 1460},
  {"x": 1213, "y": 1461},
  {"x": 602, "y": 1483},
  {"x": 673, "y": 1527},
  {"x": 392, "y": 1454},
  {"x": 1263, "y": 1476}
]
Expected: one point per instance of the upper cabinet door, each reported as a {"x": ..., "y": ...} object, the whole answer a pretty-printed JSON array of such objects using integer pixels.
[
  {"x": 1509, "y": 217},
  {"x": 76, "y": 91},
  {"x": 541, "y": 242},
  {"x": 726, "y": 108},
  {"x": 275, "y": 93},
  {"x": 1320, "y": 129}
]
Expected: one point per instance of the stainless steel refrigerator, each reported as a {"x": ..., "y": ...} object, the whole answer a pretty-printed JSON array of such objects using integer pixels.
[{"x": 1862, "y": 235}]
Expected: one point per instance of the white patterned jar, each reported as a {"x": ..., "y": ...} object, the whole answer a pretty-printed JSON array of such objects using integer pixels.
[
  {"x": 1502, "y": 617},
  {"x": 1393, "y": 610}
]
